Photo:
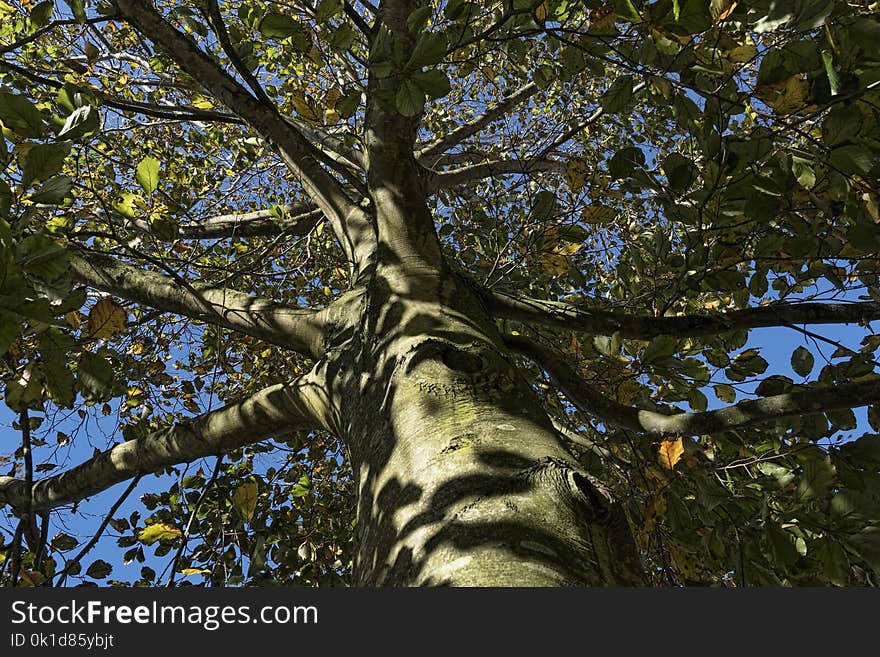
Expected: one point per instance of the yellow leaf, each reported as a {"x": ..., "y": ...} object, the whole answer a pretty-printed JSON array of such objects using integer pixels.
[
  {"x": 244, "y": 500},
  {"x": 554, "y": 263},
  {"x": 331, "y": 97},
  {"x": 670, "y": 453},
  {"x": 305, "y": 107},
  {"x": 568, "y": 248},
  {"x": 106, "y": 318},
  {"x": 541, "y": 12},
  {"x": 724, "y": 9},
  {"x": 599, "y": 214},
  {"x": 74, "y": 319},
  {"x": 577, "y": 169},
  {"x": 787, "y": 96},
  {"x": 160, "y": 531},
  {"x": 195, "y": 571}
]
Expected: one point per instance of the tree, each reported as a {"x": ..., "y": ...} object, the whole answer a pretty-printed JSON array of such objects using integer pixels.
[{"x": 463, "y": 262}]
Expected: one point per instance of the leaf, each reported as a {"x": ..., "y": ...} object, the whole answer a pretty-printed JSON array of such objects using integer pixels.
[
  {"x": 9, "y": 329},
  {"x": 195, "y": 571},
  {"x": 95, "y": 375},
  {"x": 275, "y": 25},
  {"x": 82, "y": 121},
  {"x": 54, "y": 346},
  {"x": 781, "y": 544},
  {"x": 41, "y": 14},
  {"x": 106, "y": 318},
  {"x": 99, "y": 569},
  {"x": 577, "y": 171},
  {"x": 160, "y": 531},
  {"x": 63, "y": 542},
  {"x": 147, "y": 174},
  {"x": 618, "y": 95},
  {"x": 342, "y": 38},
  {"x": 725, "y": 393},
  {"x": 599, "y": 214},
  {"x": 786, "y": 97},
  {"x": 802, "y": 361},
  {"x": 53, "y": 191},
  {"x": 430, "y": 49},
  {"x": 305, "y": 107},
  {"x": 410, "y": 99},
  {"x": 434, "y": 83},
  {"x": 625, "y": 162},
  {"x": 42, "y": 162},
  {"x": 20, "y": 116},
  {"x": 670, "y": 453},
  {"x": 244, "y": 500},
  {"x": 804, "y": 172},
  {"x": 852, "y": 159}
]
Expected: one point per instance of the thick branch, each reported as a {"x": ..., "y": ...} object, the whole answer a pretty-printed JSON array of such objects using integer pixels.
[
  {"x": 293, "y": 328},
  {"x": 299, "y": 219},
  {"x": 446, "y": 179},
  {"x": 645, "y": 327},
  {"x": 462, "y": 132},
  {"x": 274, "y": 411},
  {"x": 348, "y": 220},
  {"x": 744, "y": 414}
]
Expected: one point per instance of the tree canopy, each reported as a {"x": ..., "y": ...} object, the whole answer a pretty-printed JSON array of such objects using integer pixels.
[{"x": 188, "y": 209}]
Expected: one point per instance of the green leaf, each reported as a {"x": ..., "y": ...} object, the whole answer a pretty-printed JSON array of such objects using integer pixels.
[
  {"x": 835, "y": 563},
  {"x": 63, "y": 542},
  {"x": 20, "y": 116},
  {"x": 852, "y": 159},
  {"x": 43, "y": 161},
  {"x": 830, "y": 71},
  {"x": 347, "y": 105},
  {"x": 147, "y": 174},
  {"x": 275, "y": 25},
  {"x": 99, "y": 569},
  {"x": 54, "y": 346},
  {"x": 804, "y": 172},
  {"x": 327, "y": 9},
  {"x": 165, "y": 227},
  {"x": 659, "y": 348},
  {"x": 543, "y": 206},
  {"x": 618, "y": 95},
  {"x": 9, "y": 329},
  {"x": 625, "y": 162},
  {"x": 725, "y": 393},
  {"x": 53, "y": 191},
  {"x": 418, "y": 19},
  {"x": 841, "y": 125},
  {"x": 342, "y": 38},
  {"x": 781, "y": 544},
  {"x": 434, "y": 83},
  {"x": 244, "y": 500},
  {"x": 802, "y": 361},
  {"x": 82, "y": 121},
  {"x": 78, "y": 9},
  {"x": 430, "y": 49},
  {"x": 680, "y": 172},
  {"x": 410, "y": 99},
  {"x": 42, "y": 257},
  {"x": 95, "y": 375},
  {"x": 41, "y": 14}
]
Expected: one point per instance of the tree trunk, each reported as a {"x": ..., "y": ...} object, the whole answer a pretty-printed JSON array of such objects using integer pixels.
[{"x": 462, "y": 480}]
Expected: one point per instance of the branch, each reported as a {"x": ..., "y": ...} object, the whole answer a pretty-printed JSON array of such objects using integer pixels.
[
  {"x": 646, "y": 327},
  {"x": 299, "y": 219},
  {"x": 471, "y": 128},
  {"x": 293, "y": 328},
  {"x": 744, "y": 414},
  {"x": 280, "y": 409},
  {"x": 445, "y": 179},
  {"x": 349, "y": 221}
]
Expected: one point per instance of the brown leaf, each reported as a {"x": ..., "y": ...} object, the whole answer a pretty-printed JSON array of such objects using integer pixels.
[
  {"x": 106, "y": 319},
  {"x": 670, "y": 453}
]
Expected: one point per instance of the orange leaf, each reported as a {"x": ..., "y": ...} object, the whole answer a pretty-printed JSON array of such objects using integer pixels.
[
  {"x": 106, "y": 318},
  {"x": 670, "y": 453}
]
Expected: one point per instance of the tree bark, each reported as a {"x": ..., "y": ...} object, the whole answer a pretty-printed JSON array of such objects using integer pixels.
[{"x": 462, "y": 479}]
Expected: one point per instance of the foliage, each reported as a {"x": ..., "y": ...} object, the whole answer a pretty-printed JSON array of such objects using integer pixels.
[{"x": 666, "y": 158}]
